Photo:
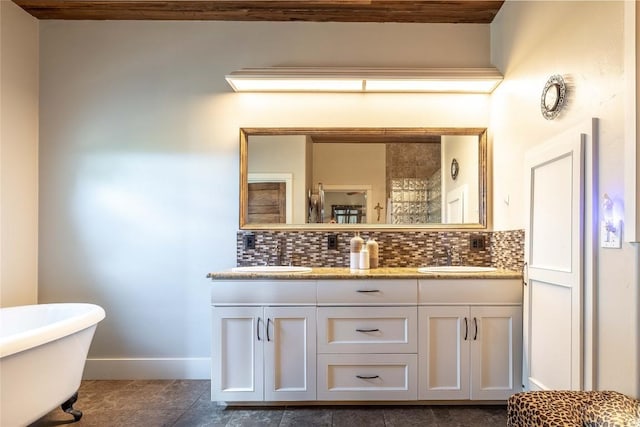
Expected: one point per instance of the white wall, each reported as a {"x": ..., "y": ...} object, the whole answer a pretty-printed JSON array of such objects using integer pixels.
[
  {"x": 583, "y": 41},
  {"x": 352, "y": 163},
  {"x": 283, "y": 154},
  {"x": 463, "y": 148},
  {"x": 18, "y": 156},
  {"x": 139, "y": 158}
]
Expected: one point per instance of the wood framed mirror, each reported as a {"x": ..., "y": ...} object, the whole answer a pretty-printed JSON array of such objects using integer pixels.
[{"x": 362, "y": 178}]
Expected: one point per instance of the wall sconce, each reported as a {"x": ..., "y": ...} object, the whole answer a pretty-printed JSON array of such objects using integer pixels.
[
  {"x": 407, "y": 80},
  {"x": 611, "y": 225}
]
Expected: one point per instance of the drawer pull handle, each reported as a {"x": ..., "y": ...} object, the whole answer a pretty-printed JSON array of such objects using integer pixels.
[
  {"x": 367, "y": 377},
  {"x": 367, "y": 291},
  {"x": 368, "y": 330}
]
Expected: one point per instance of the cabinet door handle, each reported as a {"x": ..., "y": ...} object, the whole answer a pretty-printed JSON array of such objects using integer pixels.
[
  {"x": 475, "y": 335},
  {"x": 367, "y": 377},
  {"x": 258, "y": 329},
  {"x": 367, "y": 291},
  {"x": 466, "y": 329},
  {"x": 368, "y": 330},
  {"x": 268, "y": 321}
]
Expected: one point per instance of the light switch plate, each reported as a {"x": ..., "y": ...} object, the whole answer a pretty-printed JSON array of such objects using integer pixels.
[{"x": 610, "y": 234}]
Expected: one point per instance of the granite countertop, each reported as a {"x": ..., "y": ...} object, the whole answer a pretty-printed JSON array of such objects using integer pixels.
[{"x": 318, "y": 273}]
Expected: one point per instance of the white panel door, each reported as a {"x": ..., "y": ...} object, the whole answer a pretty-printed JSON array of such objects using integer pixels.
[
  {"x": 443, "y": 349},
  {"x": 553, "y": 251},
  {"x": 290, "y": 353},
  {"x": 456, "y": 201},
  {"x": 237, "y": 354}
]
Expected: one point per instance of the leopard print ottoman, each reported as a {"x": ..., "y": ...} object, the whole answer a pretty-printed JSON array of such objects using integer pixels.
[
  {"x": 572, "y": 408},
  {"x": 611, "y": 409}
]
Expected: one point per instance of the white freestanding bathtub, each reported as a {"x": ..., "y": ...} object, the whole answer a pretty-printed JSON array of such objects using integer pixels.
[{"x": 43, "y": 349}]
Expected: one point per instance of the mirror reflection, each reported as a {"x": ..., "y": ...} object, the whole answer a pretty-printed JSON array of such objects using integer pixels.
[{"x": 397, "y": 177}]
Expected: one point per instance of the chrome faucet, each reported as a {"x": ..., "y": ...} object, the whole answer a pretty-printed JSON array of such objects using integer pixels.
[
  {"x": 278, "y": 252},
  {"x": 452, "y": 256}
]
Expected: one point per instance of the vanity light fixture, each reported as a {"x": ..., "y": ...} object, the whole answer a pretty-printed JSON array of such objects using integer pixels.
[{"x": 406, "y": 80}]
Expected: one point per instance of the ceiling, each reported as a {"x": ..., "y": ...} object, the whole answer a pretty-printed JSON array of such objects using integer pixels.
[{"x": 417, "y": 11}]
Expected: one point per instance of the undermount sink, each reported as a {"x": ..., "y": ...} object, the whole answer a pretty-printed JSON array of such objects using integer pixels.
[
  {"x": 271, "y": 269},
  {"x": 456, "y": 269}
]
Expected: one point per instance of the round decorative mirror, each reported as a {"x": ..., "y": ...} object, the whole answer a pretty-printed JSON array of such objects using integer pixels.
[{"x": 553, "y": 97}]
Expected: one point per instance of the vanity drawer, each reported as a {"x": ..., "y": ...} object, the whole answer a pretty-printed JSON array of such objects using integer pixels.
[
  {"x": 367, "y": 377},
  {"x": 367, "y": 292},
  {"x": 263, "y": 292},
  {"x": 470, "y": 291},
  {"x": 367, "y": 330}
]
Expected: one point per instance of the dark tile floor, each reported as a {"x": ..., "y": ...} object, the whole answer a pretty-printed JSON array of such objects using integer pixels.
[{"x": 187, "y": 403}]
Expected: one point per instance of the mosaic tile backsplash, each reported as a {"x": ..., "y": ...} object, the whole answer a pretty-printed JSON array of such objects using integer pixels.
[
  {"x": 503, "y": 249},
  {"x": 507, "y": 249}
]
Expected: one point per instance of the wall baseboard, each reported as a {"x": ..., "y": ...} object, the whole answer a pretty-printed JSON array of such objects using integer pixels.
[{"x": 193, "y": 368}]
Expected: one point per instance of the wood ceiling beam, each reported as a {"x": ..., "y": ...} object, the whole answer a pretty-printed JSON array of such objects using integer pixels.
[{"x": 420, "y": 11}]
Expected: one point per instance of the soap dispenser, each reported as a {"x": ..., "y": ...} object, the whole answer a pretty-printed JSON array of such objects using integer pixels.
[
  {"x": 356, "y": 243},
  {"x": 364, "y": 258},
  {"x": 372, "y": 247}
]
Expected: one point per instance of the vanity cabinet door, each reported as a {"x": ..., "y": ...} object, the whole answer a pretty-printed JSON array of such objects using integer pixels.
[
  {"x": 469, "y": 352},
  {"x": 237, "y": 354},
  {"x": 290, "y": 353},
  {"x": 443, "y": 352},
  {"x": 496, "y": 352},
  {"x": 263, "y": 353}
]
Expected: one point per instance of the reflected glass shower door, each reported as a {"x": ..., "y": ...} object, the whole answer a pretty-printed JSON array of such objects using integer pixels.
[{"x": 416, "y": 200}]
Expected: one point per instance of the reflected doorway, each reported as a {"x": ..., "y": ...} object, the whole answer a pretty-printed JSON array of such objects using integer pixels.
[
  {"x": 269, "y": 198},
  {"x": 348, "y": 204}
]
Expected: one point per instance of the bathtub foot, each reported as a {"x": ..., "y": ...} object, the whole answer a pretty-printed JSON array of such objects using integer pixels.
[{"x": 68, "y": 407}]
